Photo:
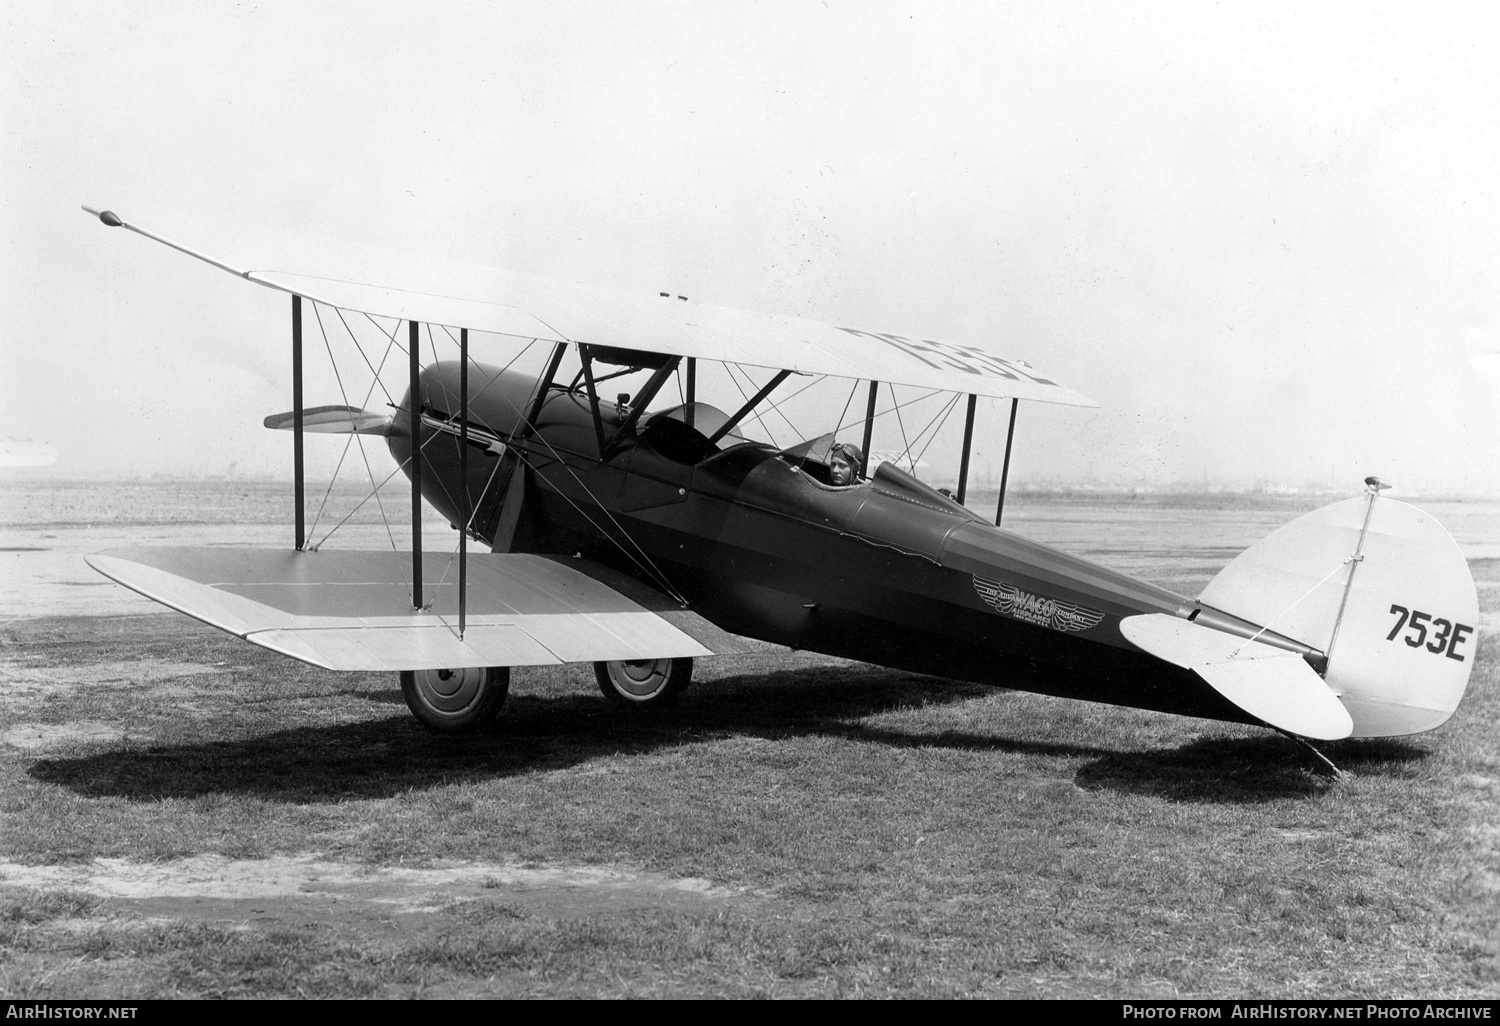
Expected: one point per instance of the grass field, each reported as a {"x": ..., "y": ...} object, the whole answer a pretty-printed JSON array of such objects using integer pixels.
[
  {"x": 185, "y": 815},
  {"x": 182, "y": 814}
]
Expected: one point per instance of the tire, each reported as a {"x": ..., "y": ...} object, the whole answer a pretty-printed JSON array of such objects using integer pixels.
[
  {"x": 460, "y": 702},
  {"x": 645, "y": 683}
]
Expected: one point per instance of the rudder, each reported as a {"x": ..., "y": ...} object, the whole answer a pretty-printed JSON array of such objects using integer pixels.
[{"x": 1404, "y": 644}]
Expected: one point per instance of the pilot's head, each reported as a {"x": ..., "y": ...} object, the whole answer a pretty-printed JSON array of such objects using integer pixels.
[{"x": 844, "y": 461}]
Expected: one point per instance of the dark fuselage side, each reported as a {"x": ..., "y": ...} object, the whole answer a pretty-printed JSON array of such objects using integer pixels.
[{"x": 889, "y": 571}]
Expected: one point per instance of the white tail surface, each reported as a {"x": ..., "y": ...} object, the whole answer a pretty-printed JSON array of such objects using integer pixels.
[
  {"x": 1407, "y": 637},
  {"x": 1271, "y": 684}
]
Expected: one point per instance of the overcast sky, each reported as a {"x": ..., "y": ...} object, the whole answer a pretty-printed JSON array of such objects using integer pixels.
[{"x": 1266, "y": 239}]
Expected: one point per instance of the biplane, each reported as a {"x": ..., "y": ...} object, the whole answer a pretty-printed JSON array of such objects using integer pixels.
[{"x": 641, "y": 531}]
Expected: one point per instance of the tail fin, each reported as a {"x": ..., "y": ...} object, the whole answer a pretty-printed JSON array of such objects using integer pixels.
[{"x": 1383, "y": 591}]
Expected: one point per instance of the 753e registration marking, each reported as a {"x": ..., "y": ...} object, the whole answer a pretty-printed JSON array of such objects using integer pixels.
[{"x": 1446, "y": 638}]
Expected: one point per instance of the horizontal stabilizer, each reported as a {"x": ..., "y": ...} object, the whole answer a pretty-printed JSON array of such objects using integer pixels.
[
  {"x": 351, "y": 610},
  {"x": 1275, "y": 686},
  {"x": 332, "y": 420}
]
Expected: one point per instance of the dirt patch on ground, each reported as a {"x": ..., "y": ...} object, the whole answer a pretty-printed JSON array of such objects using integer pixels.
[
  {"x": 307, "y": 888},
  {"x": 38, "y": 737},
  {"x": 20, "y": 680}
]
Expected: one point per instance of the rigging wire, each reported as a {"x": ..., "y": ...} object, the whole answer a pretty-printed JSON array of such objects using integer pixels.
[
  {"x": 348, "y": 443},
  {"x": 392, "y": 334},
  {"x": 323, "y": 506},
  {"x": 376, "y": 488},
  {"x": 729, "y": 368},
  {"x": 649, "y": 567},
  {"x": 946, "y": 411},
  {"x": 845, "y": 410},
  {"x": 361, "y": 351},
  {"x": 778, "y": 404},
  {"x": 448, "y": 402},
  {"x": 359, "y": 440},
  {"x": 901, "y": 423},
  {"x": 910, "y": 402},
  {"x": 1295, "y": 603},
  {"x": 498, "y": 374},
  {"x": 374, "y": 494},
  {"x": 359, "y": 505},
  {"x": 652, "y": 569},
  {"x": 474, "y": 510}
]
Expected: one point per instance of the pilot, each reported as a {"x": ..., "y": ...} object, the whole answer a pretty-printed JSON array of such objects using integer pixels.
[{"x": 844, "y": 461}]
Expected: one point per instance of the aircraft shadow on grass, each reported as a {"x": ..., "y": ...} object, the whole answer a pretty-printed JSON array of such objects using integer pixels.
[{"x": 392, "y": 755}]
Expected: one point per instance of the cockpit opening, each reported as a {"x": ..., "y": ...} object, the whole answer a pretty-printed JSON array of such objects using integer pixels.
[{"x": 682, "y": 433}]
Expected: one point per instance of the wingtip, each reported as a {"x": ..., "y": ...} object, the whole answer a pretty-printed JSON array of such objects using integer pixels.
[{"x": 109, "y": 217}]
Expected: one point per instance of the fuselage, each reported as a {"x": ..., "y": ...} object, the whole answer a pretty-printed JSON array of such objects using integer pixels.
[{"x": 888, "y": 571}]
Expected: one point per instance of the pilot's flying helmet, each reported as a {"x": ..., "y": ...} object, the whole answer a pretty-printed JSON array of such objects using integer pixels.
[{"x": 849, "y": 453}]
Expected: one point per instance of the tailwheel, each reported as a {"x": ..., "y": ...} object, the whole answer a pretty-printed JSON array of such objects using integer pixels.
[
  {"x": 456, "y": 701},
  {"x": 645, "y": 683}
]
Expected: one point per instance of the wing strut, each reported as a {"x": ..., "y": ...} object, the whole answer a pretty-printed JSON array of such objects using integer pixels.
[
  {"x": 463, "y": 476},
  {"x": 587, "y": 359},
  {"x": 414, "y": 399},
  {"x": 754, "y": 401},
  {"x": 1010, "y": 433},
  {"x": 864, "y": 470},
  {"x": 963, "y": 463},
  {"x": 297, "y": 467},
  {"x": 643, "y": 399}
]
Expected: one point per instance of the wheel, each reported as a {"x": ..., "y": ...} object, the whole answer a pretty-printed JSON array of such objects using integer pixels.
[
  {"x": 644, "y": 683},
  {"x": 456, "y": 701}
]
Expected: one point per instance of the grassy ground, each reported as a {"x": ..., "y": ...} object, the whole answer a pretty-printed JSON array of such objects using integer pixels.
[{"x": 844, "y": 831}]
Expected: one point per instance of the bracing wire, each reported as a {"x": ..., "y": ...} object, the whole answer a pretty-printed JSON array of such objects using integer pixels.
[
  {"x": 910, "y": 402},
  {"x": 359, "y": 440},
  {"x": 729, "y": 369},
  {"x": 652, "y": 569},
  {"x": 901, "y": 424},
  {"x": 323, "y": 505},
  {"x": 361, "y": 351},
  {"x": 786, "y": 399},
  {"x": 946, "y": 412},
  {"x": 375, "y": 494},
  {"x": 448, "y": 402},
  {"x": 498, "y": 374},
  {"x": 318, "y": 516},
  {"x": 485, "y": 490},
  {"x": 358, "y": 506},
  {"x": 649, "y": 566},
  {"x": 845, "y": 410},
  {"x": 777, "y": 406},
  {"x": 1297, "y": 602}
]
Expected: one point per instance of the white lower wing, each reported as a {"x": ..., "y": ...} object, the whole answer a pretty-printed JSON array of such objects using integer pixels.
[{"x": 352, "y": 610}]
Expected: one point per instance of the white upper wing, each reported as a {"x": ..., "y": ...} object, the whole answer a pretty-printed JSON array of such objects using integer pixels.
[{"x": 528, "y": 306}]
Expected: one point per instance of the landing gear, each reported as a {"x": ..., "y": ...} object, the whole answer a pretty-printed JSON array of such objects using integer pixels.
[
  {"x": 456, "y": 701},
  {"x": 645, "y": 683}
]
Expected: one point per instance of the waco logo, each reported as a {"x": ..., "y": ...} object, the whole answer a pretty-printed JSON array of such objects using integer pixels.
[{"x": 1038, "y": 609}]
